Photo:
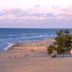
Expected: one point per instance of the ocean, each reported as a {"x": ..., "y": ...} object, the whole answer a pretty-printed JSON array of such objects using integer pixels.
[{"x": 9, "y": 36}]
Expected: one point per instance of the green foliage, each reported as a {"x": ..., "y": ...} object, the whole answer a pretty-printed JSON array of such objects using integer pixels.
[
  {"x": 60, "y": 49},
  {"x": 63, "y": 42},
  {"x": 50, "y": 49},
  {"x": 67, "y": 41}
]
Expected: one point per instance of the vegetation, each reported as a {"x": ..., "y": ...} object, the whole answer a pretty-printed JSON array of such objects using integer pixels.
[{"x": 63, "y": 42}]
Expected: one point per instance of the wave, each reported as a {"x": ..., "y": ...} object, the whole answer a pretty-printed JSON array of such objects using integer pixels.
[
  {"x": 27, "y": 37},
  {"x": 7, "y": 42},
  {"x": 7, "y": 47},
  {"x": 38, "y": 36}
]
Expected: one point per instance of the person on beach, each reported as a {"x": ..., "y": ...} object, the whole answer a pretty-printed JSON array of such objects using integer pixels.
[
  {"x": 15, "y": 56},
  {"x": 9, "y": 57}
]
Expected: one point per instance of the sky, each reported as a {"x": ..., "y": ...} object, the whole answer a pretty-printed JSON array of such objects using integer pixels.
[{"x": 35, "y": 13}]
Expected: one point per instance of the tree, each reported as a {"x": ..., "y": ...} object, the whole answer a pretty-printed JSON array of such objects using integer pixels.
[
  {"x": 63, "y": 42},
  {"x": 50, "y": 49},
  {"x": 59, "y": 40}
]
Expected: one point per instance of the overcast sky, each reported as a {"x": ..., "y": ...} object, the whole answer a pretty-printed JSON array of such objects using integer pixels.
[{"x": 36, "y": 13}]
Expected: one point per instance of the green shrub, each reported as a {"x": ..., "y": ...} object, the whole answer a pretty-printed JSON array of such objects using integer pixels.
[{"x": 63, "y": 42}]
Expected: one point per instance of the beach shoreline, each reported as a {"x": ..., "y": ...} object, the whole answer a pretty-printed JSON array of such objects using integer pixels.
[
  {"x": 33, "y": 57},
  {"x": 36, "y": 42},
  {"x": 34, "y": 48}
]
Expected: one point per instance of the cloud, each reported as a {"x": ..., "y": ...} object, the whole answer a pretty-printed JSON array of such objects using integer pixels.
[
  {"x": 18, "y": 12},
  {"x": 50, "y": 15},
  {"x": 15, "y": 12},
  {"x": 37, "y": 12},
  {"x": 30, "y": 23},
  {"x": 1, "y": 13}
]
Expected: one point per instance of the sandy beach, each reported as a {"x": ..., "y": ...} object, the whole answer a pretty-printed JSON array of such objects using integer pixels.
[{"x": 33, "y": 57}]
